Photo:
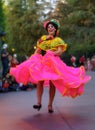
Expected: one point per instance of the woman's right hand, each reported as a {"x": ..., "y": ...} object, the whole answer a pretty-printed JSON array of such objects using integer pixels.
[{"x": 38, "y": 50}]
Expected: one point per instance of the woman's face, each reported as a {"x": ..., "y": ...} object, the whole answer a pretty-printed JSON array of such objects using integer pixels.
[{"x": 51, "y": 29}]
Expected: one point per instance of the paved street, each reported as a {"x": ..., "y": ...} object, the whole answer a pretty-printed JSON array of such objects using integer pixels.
[{"x": 16, "y": 112}]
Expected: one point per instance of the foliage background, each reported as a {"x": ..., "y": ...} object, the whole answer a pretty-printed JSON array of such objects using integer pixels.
[{"x": 24, "y": 24}]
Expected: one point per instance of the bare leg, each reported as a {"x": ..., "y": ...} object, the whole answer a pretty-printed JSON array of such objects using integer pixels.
[
  {"x": 39, "y": 95},
  {"x": 52, "y": 91},
  {"x": 39, "y": 92}
]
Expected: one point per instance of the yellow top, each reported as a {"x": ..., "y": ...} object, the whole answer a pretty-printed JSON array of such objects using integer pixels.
[{"x": 51, "y": 44}]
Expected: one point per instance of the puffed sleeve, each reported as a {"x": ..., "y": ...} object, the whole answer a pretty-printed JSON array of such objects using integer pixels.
[{"x": 59, "y": 42}]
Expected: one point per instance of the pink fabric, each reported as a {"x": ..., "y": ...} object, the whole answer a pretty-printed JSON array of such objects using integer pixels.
[
  {"x": 68, "y": 80},
  {"x": 45, "y": 24}
]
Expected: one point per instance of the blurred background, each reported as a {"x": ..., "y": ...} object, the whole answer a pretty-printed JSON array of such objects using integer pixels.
[{"x": 21, "y": 25}]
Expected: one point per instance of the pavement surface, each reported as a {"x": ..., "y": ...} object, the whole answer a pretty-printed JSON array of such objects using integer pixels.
[{"x": 17, "y": 113}]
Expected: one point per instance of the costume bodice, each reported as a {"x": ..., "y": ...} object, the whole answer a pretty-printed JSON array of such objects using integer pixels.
[{"x": 51, "y": 44}]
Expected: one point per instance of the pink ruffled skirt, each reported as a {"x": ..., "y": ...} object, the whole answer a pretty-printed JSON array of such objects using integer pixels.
[{"x": 68, "y": 80}]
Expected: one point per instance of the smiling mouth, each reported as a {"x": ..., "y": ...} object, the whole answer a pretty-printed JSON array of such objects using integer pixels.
[{"x": 51, "y": 30}]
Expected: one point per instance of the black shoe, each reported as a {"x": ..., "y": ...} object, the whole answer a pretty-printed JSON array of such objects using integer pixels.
[
  {"x": 50, "y": 110},
  {"x": 38, "y": 107}
]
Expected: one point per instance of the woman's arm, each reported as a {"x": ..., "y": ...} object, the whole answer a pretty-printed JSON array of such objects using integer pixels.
[
  {"x": 38, "y": 50},
  {"x": 58, "y": 52}
]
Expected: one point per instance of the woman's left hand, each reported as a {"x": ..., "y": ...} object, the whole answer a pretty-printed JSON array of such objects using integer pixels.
[{"x": 58, "y": 52}]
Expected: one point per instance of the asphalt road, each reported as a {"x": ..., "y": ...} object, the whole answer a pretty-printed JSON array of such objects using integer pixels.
[{"x": 17, "y": 113}]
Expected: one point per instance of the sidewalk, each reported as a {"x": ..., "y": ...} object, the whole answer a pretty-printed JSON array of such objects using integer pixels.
[{"x": 17, "y": 113}]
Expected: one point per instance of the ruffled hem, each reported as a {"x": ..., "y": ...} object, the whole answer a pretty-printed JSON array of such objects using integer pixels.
[{"x": 68, "y": 80}]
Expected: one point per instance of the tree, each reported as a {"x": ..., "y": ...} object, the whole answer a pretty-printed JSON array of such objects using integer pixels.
[
  {"x": 77, "y": 20},
  {"x": 2, "y": 17},
  {"x": 23, "y": 26},
  {"x": 2, "y": 24}
]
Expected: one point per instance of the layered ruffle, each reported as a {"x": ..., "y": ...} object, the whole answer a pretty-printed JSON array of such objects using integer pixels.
[{"x": 68, "y": 80}]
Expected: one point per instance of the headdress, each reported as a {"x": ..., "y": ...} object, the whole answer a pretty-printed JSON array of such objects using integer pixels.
[{"x": 52, "y": 21}]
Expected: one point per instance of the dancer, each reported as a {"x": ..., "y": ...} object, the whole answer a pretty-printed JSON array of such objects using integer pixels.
[{"x": 45, "y": 66}]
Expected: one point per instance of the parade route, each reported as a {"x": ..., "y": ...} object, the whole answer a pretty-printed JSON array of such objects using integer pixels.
[{"x": 17, "y": 113}]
